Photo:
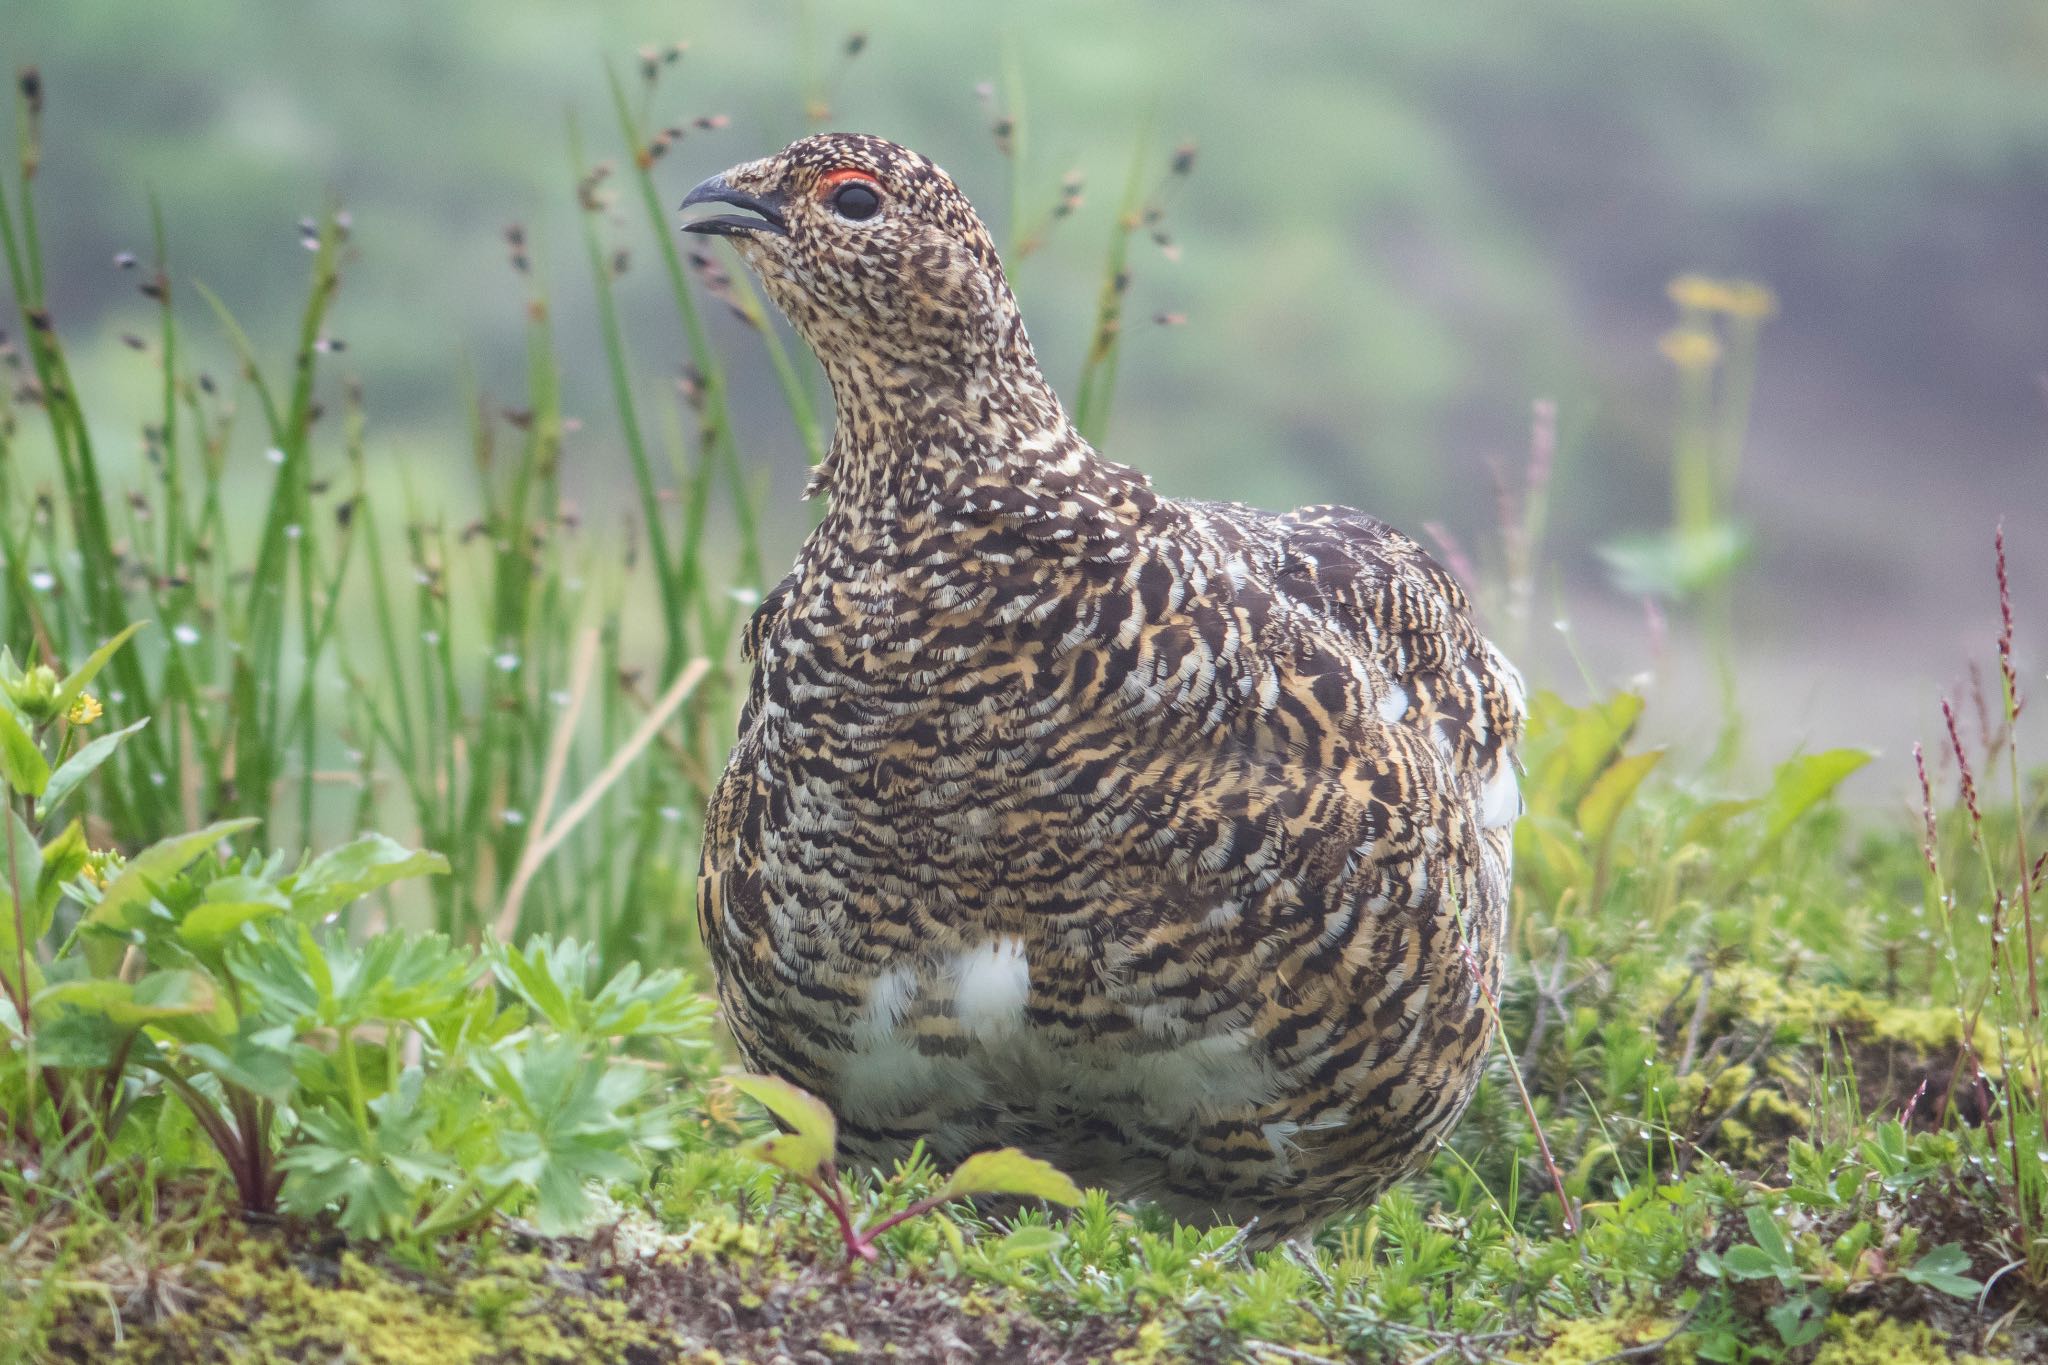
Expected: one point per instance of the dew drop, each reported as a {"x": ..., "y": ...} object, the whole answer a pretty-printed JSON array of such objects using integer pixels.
[
  {"x": 274, "y": 455},
  {"x": 184, "y": 634}
]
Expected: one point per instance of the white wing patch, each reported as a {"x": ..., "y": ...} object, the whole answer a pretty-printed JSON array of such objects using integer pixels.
[
  {"x": 1394, "y": 703},
  {"x": 993, "y": 982},
  {"x": 1500, "y": 800},
  {"x": 888, "y": 1001}
]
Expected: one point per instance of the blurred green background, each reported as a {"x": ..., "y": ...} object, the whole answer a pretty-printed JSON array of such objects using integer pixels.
[{"x": 1406, "y": 223}]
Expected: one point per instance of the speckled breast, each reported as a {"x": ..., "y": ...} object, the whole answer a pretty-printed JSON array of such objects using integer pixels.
[{"x": 984, "y": 887}]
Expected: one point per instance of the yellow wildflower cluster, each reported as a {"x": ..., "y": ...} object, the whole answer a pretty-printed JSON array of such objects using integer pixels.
[
  {"x": 85, "y": 710},
  {"x": 1735, "y": 298}
]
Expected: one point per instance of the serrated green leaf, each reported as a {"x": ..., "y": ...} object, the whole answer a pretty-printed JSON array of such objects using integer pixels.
[
  {"x": 68, "y": 690},
  {"x": 21, "y": 762},
  {"x": 1009, "y": 1171},
  {"x": 80, "y": 766},
  {"x": 813, "y": 1133},
  {"x": 582, "y": 1120},
  {"x": 346, "y": 874}
]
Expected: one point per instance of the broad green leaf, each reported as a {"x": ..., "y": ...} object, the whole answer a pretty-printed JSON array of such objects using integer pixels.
[
  {"x": 80, "y": 766},
  {"x": 813, "y": 1133},
  {"x": 1798, "y": 1319},
  {"x": 1746, "y": 1262},
  {"x": 21, "y": 865},
  {"x": 258, "y": 1061},
  {"x": 1545, "y": 851},
  {"x": 1769, "y": 1235},
  {"x": 1705, "y": 824},
  {"x": 1009, "y": 1171},
  {"x": 1944, "y": 1269},
  {"x": 1802, "y": 783},
  {"x": 21, "y": 762},
  {"x": 1570, "y": 745},
  {"x": 1601, "y": 807},
  {"x": 1675, "y": 563},
  {"x": 212, "y": 923},
  {"x": 346, "y": 874},
  {"x": 158, "y": 996},
  {"x": 1032, "y": 1243},
  {"x": 129, "y": 892},
  {"x": 63, "y": 857},
  {"x": 68, "y": 690}
]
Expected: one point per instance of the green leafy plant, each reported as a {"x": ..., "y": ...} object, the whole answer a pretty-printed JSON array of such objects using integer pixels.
[
  {"x": 1815, "y": 1273},
  {"x": 804, "y": 1150},
  {"x": 385, "y": 1080}
]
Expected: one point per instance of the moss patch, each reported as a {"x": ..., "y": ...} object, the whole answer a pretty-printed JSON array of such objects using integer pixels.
[
  {"x": 1870, "y": 1338},
  {"x": 265, "y": 1298}
]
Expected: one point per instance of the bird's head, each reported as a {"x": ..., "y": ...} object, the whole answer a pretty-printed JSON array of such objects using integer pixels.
[{"x": 874, "y": 255}]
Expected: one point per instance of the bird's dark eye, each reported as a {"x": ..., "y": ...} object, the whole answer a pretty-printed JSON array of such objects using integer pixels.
[{"x": 856, "y": 200}]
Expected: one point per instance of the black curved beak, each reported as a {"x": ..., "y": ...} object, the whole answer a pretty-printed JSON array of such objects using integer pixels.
[{"x": 717, "y": 191}]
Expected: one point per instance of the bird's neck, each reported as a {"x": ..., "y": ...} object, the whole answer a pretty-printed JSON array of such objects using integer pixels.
[{"x": 906, "y": 430}]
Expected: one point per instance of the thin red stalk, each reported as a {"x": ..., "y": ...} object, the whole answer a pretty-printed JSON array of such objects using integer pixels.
[
  {"x": 876, "y": 1229},
  {"x": 2015, "y": 702},
  {"x": 826, "y": 1186}
]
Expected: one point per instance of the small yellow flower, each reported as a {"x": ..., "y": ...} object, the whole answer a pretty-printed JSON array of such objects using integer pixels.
[
  {"x": 1690, "y": 348},
  {"x": 100, "y": 867},
  {"x": 1748, "y": 299},
  {"x": 85, "y": 710},
  {"x": 1697, "y": 293}
]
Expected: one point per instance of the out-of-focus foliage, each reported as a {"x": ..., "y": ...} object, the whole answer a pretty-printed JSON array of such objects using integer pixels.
[{"x": 1409, "y": 218}]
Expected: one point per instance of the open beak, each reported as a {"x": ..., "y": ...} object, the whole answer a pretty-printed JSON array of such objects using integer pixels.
[{"x": 768, "y": 209}]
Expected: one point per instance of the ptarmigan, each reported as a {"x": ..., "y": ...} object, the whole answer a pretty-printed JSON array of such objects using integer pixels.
[{"x": 1166, "y": 840}]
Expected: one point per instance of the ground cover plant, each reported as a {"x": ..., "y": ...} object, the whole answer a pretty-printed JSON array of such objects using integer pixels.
[{"x": 436, "y": 1081}]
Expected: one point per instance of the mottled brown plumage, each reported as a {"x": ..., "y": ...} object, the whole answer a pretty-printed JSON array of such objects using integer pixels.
[{"x": 1162, "y": 839}]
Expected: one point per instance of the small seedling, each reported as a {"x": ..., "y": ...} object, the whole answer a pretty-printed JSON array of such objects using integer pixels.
[{"x": 811, "y": 1136}]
